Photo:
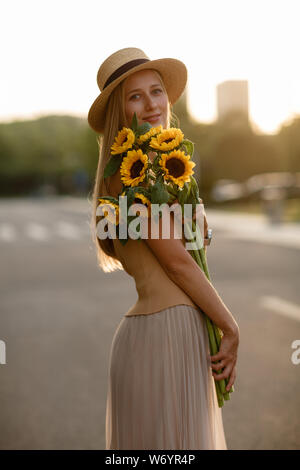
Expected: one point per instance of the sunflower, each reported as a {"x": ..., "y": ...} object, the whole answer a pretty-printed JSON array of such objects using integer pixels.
[
  {"x": 123, "y": 141},
  {"x": 177, "y": 166},
  {"x": 111, "y": 210},
  {"x": 168, "y": 139},
  {"x": 139, "y": 198},
  {"x": 153, "y": 131},
  {"x": 133, "y": 167}
]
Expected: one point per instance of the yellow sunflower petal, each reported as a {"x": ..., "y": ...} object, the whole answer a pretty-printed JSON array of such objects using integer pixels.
[
  {"x": 133, "y": 167},
  {"x": 177, "y": 167},
  {"x": 152, "y": 132},
  {"x": 123, "y": 141},
  {"x": 111, "y": 211},
  {"x": 144, "y": 200},
  {"x": 168, "y": 139}
]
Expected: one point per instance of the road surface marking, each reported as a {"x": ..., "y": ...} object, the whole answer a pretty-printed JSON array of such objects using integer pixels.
[
  {"x": 37, "y": 231},
  {"x": 67, "y": 230},
  {"x": 283, "y": 307}
]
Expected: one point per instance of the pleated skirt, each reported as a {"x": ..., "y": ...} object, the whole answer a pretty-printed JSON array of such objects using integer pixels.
[{"x": 161, "y": 392}]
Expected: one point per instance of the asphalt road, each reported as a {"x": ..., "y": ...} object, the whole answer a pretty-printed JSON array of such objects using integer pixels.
[{"x": 59, "y": 313}]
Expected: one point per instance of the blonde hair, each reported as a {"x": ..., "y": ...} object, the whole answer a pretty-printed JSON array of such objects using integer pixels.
[{"x": 114, "y": 121}]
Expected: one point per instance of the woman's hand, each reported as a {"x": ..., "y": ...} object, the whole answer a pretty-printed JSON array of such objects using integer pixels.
[{"x": 227, "y": 356}]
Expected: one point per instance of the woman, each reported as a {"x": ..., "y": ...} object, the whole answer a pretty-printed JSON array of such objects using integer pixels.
[{"x": 161, "y": 391}]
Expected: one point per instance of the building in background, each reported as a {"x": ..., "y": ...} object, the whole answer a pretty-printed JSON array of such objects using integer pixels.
[{"x": 232, "y": 98}]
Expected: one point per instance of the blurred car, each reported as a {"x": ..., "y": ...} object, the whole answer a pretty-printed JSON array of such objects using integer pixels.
[
  {"x": 284, "y": 182},
  {"x": 277, "y": 185},
  {"x": 271, "y": 189},
  {"x": 228, "y": 190}
]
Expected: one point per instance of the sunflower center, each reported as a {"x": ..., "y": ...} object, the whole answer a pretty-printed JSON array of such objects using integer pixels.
[
  {"x": 124, "y": 140},
  {"x": 168, "y": 140},
  {"x": 176, "y": 167},
  {"x": 136, "y": 169}
]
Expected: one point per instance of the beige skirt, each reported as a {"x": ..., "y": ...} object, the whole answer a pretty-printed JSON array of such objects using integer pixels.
[{"x": 161, "y": 392}]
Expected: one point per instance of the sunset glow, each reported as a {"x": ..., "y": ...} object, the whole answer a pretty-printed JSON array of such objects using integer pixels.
[{"x": 53, "y": 50}]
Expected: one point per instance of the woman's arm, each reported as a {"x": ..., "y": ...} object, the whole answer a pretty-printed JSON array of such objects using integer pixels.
[{"x": 185, "y": 272}]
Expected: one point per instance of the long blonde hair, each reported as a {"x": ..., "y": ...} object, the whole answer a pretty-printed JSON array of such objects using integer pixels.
[{"x": 114, "y": 121}]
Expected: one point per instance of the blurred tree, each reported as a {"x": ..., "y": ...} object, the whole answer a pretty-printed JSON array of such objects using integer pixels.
[
  {"x": 288, "y": 141},
  {"x": 56, "y": 149}
]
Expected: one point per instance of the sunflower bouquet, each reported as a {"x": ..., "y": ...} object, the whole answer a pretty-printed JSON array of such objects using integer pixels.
[{"x": 165, "y": 178}]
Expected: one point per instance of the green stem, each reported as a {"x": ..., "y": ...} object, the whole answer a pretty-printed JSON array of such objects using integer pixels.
[
  {"x": 194, "y": 255},
  {"x": 172, "y": 190},
  {"x": 202, "y": 249},
  {"x": 217, "y": 331},
  {"x": 218, "y": 335},
  {"x": 214, "y": 333}
]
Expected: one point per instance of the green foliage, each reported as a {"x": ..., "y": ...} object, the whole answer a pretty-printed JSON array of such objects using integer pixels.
[
  {"x": 134, "y": 123},
  {"x": 112, "y": 165},
  {"x": 143, "y": 129},
  {"x": 46, "y": 150},
  {"x": 139, "y": 130},
  {"x": 52, "y": 148},
  {"x": 183, "y": 194},
  {"x": 189, "y": 146},
  {"x": 159, "y": 194}
]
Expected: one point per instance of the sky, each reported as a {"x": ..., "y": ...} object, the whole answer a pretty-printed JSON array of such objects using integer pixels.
[{"x": 51, "y": 51}]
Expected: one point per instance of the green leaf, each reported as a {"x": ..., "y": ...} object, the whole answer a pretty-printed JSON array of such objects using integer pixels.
[
  {"x": 189, "y": 146},
  {"x": 143, "y": 129},
  {"x": 155, "y": 165},
  {"x": 159, "y": 193},
  {"x": 130, "y": 197},
  {"x": 193, "y": 194},
  {"x": 142, "y": 190},
  {"x": 110, "y": 198},
  {"x": 194, "y": 188},
  {"x": 134, "y": 123},
  {"x": 172, "y": 190},
  {"x": 138, "y": 189},
  {"x": 112, "y": 165},
  {"x": 182, "y": 195}
]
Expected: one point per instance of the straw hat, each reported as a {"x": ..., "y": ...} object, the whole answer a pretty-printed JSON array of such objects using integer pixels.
[{"x": 123, "y": 63}]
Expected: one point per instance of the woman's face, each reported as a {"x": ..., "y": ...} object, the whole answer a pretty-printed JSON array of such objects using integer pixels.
[{"x": 144, "y": 95}]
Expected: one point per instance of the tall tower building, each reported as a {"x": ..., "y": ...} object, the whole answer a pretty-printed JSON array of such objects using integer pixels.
[{"x": 232, "y": 95}]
